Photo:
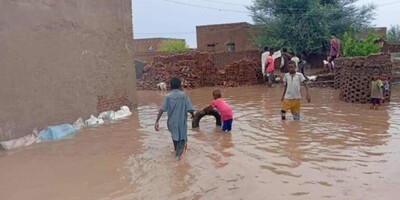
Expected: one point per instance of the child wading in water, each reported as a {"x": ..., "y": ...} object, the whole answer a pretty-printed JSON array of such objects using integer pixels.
[
  {"x": 291, "y": 96},
  {"x": 386, "y": 86},
  {"x": 177, "y": 104},
  {"x": 223, "y": 109},
  {"x": 376, "y": 92}
]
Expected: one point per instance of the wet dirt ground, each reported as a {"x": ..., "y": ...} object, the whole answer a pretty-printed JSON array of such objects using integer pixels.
[{"x": 337, "y": 151}]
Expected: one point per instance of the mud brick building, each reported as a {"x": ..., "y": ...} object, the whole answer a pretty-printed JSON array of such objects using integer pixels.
[
  {"x": 63, "y": 59},
  {"x": 225, "y": 37}
]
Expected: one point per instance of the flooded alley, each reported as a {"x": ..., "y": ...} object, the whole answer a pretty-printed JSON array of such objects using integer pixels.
[{"x": 337, "y": 151}]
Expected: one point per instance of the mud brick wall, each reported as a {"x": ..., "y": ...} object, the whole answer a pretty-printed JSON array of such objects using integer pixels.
[
  {"x": 391, "y": 48},
  {"x": 221, "y": 60},
  {"x": 354, "y": 74},
  {"x": 63, "y": 59},
  {"x": 113, "y": 102}
]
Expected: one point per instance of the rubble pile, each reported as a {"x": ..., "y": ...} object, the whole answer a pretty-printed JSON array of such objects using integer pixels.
[
  {"x": 243, "y": 72},
  {"x": 197, "y": 69},
  {"x": 194, "y": 69}
]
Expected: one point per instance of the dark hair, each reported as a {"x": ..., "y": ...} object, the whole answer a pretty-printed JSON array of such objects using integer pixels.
[
  {"x": 176, "y": 83},
  {"x": 217, "y": 93},
  {"x": 291, "y": 63},
  {"x": 266, "y": 48},
  {"x": 271, "y": 50},
  {"x": 333, "y": 34},
  {"x": 284, "y": 49}
]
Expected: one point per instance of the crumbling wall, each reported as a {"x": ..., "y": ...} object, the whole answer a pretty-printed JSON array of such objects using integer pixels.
[
  {"x": 63, "y": 59},
  {"x": 354, "y": 74}
]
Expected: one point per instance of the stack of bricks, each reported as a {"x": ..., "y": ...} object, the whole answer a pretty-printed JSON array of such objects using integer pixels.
[
  {"x": 195, "y": 70},
  {"x": 223, "y": 59},
  {"x": 243, "y": 72},
  {"x": 354, "y": 74}
]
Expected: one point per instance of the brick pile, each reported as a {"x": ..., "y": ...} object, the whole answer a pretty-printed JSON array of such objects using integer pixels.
[
  {"x": 223, "y": 59},
  {"x": 195, "y": 70},
  {"x": 354, "y": 74},
  {"x": 240, "y": 73}
]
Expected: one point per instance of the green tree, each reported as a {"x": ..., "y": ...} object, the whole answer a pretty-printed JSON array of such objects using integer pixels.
[
  {"x": 393, "y": 35},
  {"x": 173, "y": 46},
  {"x": 353, "y": 46},
  {"x": 305, "y": 25}
]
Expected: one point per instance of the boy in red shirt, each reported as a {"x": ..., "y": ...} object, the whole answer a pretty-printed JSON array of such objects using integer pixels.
[
  {"x": 223, "y": 109},
  {"x": 270, "y": 67}
]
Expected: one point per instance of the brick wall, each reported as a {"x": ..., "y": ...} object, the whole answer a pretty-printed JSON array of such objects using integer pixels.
[
  {"x": 221, "y": 34},
  {"x": 391, "y": 48},
  {"x": 354, "y": 74}
]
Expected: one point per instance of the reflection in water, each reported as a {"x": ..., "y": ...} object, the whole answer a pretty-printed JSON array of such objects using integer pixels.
[{"x": 337, "y": 151}]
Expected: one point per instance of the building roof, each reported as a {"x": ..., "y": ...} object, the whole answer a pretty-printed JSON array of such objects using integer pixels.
[
  {"x": 157, "y": 38},
  {"x": 213, "y": 25}
]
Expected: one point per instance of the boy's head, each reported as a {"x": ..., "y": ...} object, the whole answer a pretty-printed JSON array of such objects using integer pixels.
[
  {"x": 266, "y": 48},
  {"x": 217, "y": 94},
  {"x": 284, "y": 49},
  {"x": 291, "y": 67},
  {"x": 175, "y": 83},
  {"x": 333, "y": 35},
  {"x": 271, "y": 51},
  {"x": 375, "y": 76},
  {"x": 384, "y": 77}
]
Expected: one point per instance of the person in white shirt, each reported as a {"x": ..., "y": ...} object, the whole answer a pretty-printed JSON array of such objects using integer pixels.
[
  {"x": 264, "y": 57},
  {"x": 291, "y": 96},
  {"x": 296, "y": 61}
]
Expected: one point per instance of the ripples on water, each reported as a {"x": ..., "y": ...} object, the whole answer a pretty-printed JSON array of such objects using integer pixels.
[{"x": 337, "y": 151}]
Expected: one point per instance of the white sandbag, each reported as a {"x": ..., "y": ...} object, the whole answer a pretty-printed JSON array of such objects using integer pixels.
[
  {"x": 123, "y": 113},
  {"x": 107, "y": 115},
  {"x": 93, "y": 121},
  {"x": 21, "y": 142},
  {"x": 78, "y": 124}
]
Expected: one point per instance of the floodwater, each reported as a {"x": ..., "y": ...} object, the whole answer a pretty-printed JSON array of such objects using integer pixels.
[{"x": 337, "y": 151}]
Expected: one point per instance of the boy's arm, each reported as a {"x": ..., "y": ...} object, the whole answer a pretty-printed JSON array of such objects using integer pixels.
[
  {"x": 157, "y": 125},
  {"x": 208, "y": 107},
  {"x": 307, "y": 92},
  {"x": 284, "y": 92}
]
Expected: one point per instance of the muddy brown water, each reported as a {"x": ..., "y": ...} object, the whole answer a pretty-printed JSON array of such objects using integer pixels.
[{"x": 337, "y": 151}]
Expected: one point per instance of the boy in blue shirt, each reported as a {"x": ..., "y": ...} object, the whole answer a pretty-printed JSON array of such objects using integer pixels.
[{"x": 177, "y": 104}]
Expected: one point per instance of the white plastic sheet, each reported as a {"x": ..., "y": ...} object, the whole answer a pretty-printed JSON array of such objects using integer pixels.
[
  {"x": 93, "y": 121},
  {"x": 21, "y": 142}
]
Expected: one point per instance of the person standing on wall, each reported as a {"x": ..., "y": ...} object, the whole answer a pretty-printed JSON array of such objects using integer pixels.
[{"x": 334, "y": 51}]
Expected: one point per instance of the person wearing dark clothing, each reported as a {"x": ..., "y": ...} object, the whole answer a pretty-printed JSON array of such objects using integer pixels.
[{"x": 286, "y": 57}]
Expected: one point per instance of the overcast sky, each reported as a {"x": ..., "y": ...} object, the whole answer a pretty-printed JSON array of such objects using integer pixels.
[{"x": 172, "y": 18}]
